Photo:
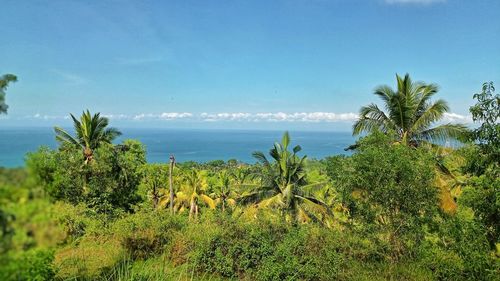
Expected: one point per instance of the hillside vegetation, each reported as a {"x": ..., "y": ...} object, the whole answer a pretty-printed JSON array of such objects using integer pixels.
[{"x": 401, "y": 207}]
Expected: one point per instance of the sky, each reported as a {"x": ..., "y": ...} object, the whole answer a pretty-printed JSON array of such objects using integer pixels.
[{"x": 290, "y": 64}]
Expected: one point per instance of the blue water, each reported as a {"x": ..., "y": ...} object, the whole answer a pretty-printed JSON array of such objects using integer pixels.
[{"x": 186, "y": 145}]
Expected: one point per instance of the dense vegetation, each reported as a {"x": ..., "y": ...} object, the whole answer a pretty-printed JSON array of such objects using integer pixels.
[{"x": 401, "y": 207}]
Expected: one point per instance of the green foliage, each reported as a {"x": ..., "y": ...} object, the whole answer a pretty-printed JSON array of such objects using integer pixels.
[
  {"x": 90, "y": 132},
  {"x": 109, "y": 182},
  {"x": 487, "y": 111},
  {"x": 283, "y": 182},
  {"x": 34, "y": 265},
  {"x": 155, "y": 182},
  {"x": 482, "y": 194},
  {"x": 145, "y": 234},
  {"x": 231, "y": 248},
  {"x": 410, "y": 114},
  {"x": 5, "y": 80},
  {"x": 456, "y": 249},
  {"x": 93, "y": 220},
  {"x": 303, "y": 254},
  {"x": 389, "y": 187}
]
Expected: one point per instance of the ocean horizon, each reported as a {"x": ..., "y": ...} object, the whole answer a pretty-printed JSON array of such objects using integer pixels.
[{"x": 200, "y": 145}]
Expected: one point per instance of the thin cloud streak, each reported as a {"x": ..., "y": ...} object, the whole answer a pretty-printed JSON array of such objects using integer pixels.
[
  {"x": 139, "y": 61},
  {"x": 70, "y": 78}
]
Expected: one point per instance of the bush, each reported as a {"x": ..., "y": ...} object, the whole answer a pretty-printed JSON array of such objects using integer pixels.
[
  {"x": 304, "y": 254},
  {"x": 231, "y": 248},
  {"x": 30, "y": 265},
  {"x": 389, "y": 188},
  {"x": 445, "y": 265},
  {"x": 145, "y": 234},
  {"x": 108, "y": 183}
]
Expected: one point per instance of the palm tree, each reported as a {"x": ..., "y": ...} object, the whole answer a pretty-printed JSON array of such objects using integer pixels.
[
  {"x": 284, "y": 184},
  {"x": 409, "y": 114},
  {"x": 154, "y": 178},
  {"x": 90, "y": 131},
  {"x": 223, "y": 192},
  {"x": 5, "y": 80},
  {"x": 193, "y": 191},
  {"x": 242, "y": 179}
]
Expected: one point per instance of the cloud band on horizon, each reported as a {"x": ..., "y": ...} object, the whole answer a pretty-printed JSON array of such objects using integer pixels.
[{"x": 311, "y": 117}]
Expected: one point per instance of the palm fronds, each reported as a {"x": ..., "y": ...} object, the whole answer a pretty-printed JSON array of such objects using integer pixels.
[{"x": 409, "y": 114}]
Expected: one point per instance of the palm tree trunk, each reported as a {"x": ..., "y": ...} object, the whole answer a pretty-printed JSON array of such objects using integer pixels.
[
  {"x": 191, "y": 209},
  {"x": 172, "y": 163}
]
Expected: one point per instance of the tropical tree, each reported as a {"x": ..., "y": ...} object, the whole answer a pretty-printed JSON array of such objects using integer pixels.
[
  {"x": 284, "y": 185},
  {"x": 486, "y": 112},
  {"x": 410, "y": 114},
  {"x": 193, "y": 191},
  {"x": 91, "y": 131},
  {"x": 5, "y": 80},
  {"x": 223, "y": 192},
  {"x": 242, "y": 178},
  {"x": 154, "y": 178}
]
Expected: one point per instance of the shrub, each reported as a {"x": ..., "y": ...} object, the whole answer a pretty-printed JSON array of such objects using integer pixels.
[
  {"x": 30, "y": 265},
  {"x": 445, "y": 265},
  {"x": 107, "y": 184},
  {"x": 147, "y": 233},
  {"x": 90, "y": 258},
  {"x": 304, "y": 254},
  {"x": 390, "y": 188}
]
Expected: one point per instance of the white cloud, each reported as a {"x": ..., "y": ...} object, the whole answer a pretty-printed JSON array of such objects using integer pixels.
[
  {"x": 421, "y": 2},
  {"x": 239, "y": 116},
  {"x": 280, "y": 117},
  {"x": 116, "y": 116},
  {"x": 175, "y": 115},
  {"x": 39, "y": 116},
  {"x": 306, "y": 117},
  {"x": 142, "y": 116},
  {"x": 163, "y": 116},
  {"x": 457, "y": 118}
]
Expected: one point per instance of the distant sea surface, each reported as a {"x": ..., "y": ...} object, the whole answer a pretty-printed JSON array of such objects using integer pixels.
[{"x": 186, "y": 145}]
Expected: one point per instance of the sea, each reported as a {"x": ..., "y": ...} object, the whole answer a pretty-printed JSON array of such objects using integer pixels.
[{"x": 200, "y": 145}]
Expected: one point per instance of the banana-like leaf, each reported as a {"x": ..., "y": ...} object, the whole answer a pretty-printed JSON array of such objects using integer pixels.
[{"x": 209, "y": 201}]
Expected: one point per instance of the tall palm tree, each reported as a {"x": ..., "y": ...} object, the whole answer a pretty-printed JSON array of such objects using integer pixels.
[
  {"x": 91, "y": 131},
  {"x": 409, "y": 115},
  {"x": 193, "y": 191},
  {"x": 284, "y": 184},
  {"x": 5, "y": 80},
  {"x": 223, "y": 192}
]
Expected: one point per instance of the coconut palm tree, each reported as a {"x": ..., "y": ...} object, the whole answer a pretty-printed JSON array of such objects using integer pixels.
[
  {"x": 223, "y": 192},
  {"x": 5, "y": 80},
  {"x": 242, "y": 178},
  {"x": 410, "y": 114},
  {"x": 284, "y": 185},
  {"x": 155, "y": 180},
  {"x": 193, "y": 191},
  {"x": 91, "y": 131}
]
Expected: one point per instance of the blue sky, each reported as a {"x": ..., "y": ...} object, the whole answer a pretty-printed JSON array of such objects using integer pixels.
[{"x": 292, "y": 64}]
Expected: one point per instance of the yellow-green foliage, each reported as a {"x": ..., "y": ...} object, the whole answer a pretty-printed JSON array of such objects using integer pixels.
[
  {"x": 384, "y": 223},
  {"x": 90, "y": 258}
]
